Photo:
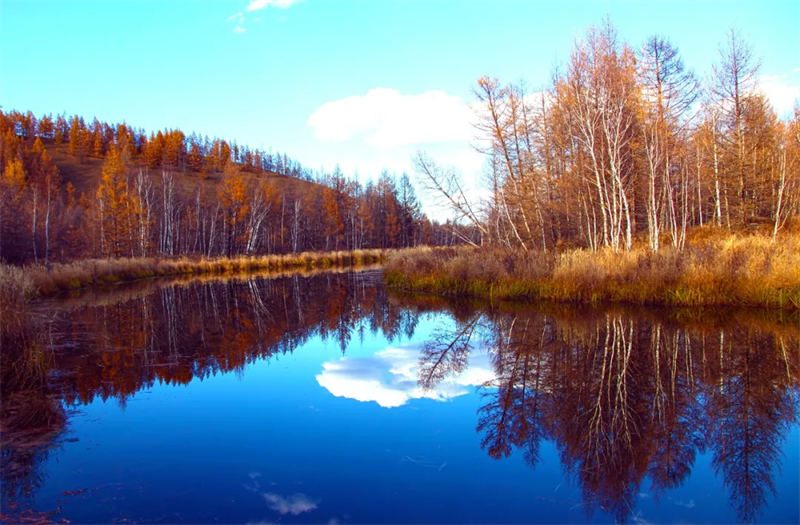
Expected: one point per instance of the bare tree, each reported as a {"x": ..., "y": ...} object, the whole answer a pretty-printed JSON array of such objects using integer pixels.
[{"x": 448, "y": 186}]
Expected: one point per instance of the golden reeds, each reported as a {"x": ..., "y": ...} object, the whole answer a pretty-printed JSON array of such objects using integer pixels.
[
  {"x": 722, "y": 269},
  {"x": 38, "y": 280}
]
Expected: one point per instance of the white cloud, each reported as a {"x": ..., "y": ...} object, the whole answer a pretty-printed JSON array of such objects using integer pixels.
[
  {"x": 256, "y": 5},
  {"x": 389, "y": 377},
  {"x": 239, "y": 19},
  {"x": 783, "y": 91},
  {"x": 294, "y": 504},
  {"x": 387, "y": 118}
]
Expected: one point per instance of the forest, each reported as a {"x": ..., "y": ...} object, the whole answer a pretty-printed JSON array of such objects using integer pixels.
[
  {"x": 71, "y": 190},
  {"x": 627, "y": 180},
  {"x": 629, "y": 145}
]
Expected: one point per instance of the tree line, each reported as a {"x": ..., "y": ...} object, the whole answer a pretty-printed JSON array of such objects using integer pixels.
[
  {"x": 170, "y": 194},
  {"x": 628, "y": 143}
]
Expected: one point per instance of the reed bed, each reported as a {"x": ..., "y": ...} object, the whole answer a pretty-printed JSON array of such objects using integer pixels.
[
  {"x": 721, "y": 269},
  {"x": 39, "y": 280}
]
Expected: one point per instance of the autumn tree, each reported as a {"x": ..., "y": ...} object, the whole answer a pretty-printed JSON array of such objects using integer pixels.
[
  {"x": 13, "y": 185},
  {"x": 732, "y": 91},
  {"x": 669, "y": 91},
  {"x": 114, "y": 205},
  {"x": 45, "y": 184},
  {"x": 233, "y": 197}
]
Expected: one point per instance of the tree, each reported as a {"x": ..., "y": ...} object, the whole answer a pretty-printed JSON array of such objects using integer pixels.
[
  {"x": 669, "y": 92},
  {"x": 114, "y": 205},
  {"x": 517, "y": 181},
  {"x": 13, "y": 185},
  {"x": 786, "y": 183},
  {"x": 234, "y": 200},
  {"x": 732, "y": 87},
  {"x": 45, "y": 181},
  {"x": 410, "y": 211},
  {"x": 599, "y": 92},
  {"x": 447, "y": 185}
]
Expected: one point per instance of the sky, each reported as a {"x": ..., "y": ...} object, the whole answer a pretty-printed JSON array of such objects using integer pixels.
[{"x": 362, "y": 84}]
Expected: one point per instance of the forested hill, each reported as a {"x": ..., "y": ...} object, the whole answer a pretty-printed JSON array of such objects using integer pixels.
[{"x": 73, "y": 190}]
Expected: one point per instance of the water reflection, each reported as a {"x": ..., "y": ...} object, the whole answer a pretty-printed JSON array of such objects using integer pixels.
[
  {"x": 630, "y": 399},
  {"x": 184, "y": 332},
  {"x": 31, "y": 416},
  {"x": 626, "y": 397},
  {"x": 390, "y": 377},
  {"x": 110, "y": 345}
]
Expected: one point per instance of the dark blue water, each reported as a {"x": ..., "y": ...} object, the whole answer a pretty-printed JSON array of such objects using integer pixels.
[{"x": 326, "y": 400}]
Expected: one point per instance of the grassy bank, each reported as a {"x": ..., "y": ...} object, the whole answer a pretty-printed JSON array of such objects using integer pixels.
[
  {"x": 37, "y": 280},
  {"x": 714, "y": 269}
]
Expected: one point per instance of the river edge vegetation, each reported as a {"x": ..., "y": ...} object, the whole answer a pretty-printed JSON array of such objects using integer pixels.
[
  {"x": 37, "y": 280},
  {"x": 713, "y": 269}
]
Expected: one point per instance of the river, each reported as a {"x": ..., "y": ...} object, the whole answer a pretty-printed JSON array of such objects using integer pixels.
[{"x": 328, "y": 399}]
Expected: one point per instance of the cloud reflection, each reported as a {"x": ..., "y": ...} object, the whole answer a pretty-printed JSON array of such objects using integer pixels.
[
  {"x": 294, "y": 504},
  {"x": 390, "y": 377}
]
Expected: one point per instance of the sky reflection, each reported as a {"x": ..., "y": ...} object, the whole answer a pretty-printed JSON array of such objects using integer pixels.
[{"x": 390, "y": 377}]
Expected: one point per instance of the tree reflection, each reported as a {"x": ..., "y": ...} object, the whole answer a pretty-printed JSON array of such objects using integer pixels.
[
  {"x": 752, "y": 409},
  {"x": 173, "y": 335},
  {"x": 446, "y": 354},
  {"x": 625, "y": 398},
  {"x": 184, "y": 332},
  {"x": 31, "y": 417}
]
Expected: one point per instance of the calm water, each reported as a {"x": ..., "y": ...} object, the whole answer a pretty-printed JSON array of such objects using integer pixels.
[{"x": 325, "y": 399}]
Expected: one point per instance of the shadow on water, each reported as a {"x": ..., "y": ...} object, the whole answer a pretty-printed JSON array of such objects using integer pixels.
[{"x": 626, "y": 396}]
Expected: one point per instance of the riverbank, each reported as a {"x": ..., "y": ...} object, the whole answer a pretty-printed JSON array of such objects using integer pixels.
[
  {"x": 40, "y": 280},
  {"x": 714, "y": 269}
]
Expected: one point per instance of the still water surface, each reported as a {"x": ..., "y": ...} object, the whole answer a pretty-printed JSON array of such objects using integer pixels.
[{"x": 326, "y": 399}]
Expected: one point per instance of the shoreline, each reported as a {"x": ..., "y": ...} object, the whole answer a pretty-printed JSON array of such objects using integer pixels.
[
  {"x": 741, "y": 271},
  {"x": 38, "y": 281}
]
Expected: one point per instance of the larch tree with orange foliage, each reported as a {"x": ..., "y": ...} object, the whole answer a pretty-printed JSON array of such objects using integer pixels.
[
  {"x": 233, "y": 196},
  {"x": 45, "y": 182},
  {"x": 114, "y": 205},
  {"x": 13, "y": 184}
]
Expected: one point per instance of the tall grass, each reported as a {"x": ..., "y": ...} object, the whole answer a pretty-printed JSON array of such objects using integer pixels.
[
  {"x": 721, "y": 269},
  {"x": 37, "y": 280}
]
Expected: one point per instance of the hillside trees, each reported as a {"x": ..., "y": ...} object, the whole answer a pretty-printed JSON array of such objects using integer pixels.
[{"x": 72, "y": 188}]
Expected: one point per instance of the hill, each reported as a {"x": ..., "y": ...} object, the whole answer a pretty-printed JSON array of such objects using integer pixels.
[
  {"x": 84, "y": 174},
  {"x": 74, "y": 190}
]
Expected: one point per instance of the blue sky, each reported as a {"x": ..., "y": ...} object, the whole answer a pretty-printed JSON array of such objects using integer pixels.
[{"x": 360, "y": 83}]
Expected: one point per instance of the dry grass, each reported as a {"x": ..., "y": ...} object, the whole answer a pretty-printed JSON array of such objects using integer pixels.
[
  {"x": 37, "y": 280},
  {"x": 718, "y": 269}
]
